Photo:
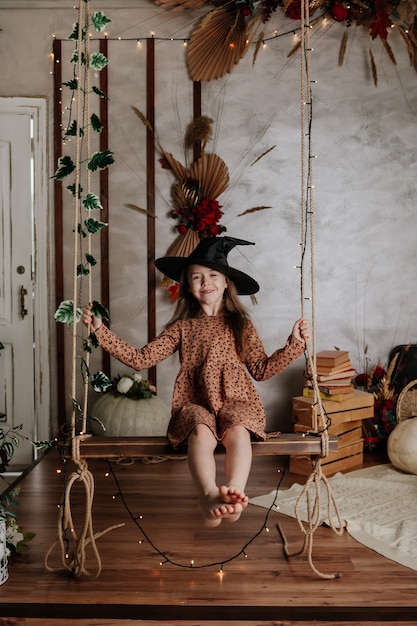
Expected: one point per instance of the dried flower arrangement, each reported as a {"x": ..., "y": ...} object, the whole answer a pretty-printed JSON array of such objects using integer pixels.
[
  {"x": 380, "y": 382},
  {"x": 224, "y": 35}
]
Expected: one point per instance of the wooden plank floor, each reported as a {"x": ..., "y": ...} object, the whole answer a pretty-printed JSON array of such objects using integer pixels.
[{"x": 259, "y": 588}]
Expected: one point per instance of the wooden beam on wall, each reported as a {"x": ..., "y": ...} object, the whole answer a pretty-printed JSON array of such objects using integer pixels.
[
  {"x": 104, "y": 198},
  {"x": 150, "y": 192},
  {"x": 58, "y": 224}
]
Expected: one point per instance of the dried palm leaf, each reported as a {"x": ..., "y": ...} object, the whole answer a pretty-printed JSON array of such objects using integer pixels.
[
  {"x": 142, "y": 117},
  {"x": 342, "y": 50},
  {"x": 183, "y": 197},
  {"x": 262, "y": 155},
  {"x": 390, "y": 51},
  {"x": 198, "y": 131},
  {"x": 294, "y": 49},
  {"x": 217, "y": 44},
  {"x": 373, "y": 67},
  {"x": 181, "y": 4},
  {"x": 138, "y": 208},
  {"x": 177, "y": 167},
  {"x": 256, "y": 208},
  {"x": 184, "y": 244},
  {"x": 258, "y": 46},
  {"x": 211, "y": 174}
]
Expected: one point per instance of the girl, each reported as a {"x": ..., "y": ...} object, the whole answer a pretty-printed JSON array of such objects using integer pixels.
[{"x": 213, "y": 399}]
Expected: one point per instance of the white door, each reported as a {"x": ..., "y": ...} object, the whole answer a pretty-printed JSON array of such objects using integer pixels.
[{"x": 18, "y": 360}]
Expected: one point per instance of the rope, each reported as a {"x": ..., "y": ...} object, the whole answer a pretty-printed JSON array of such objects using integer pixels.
[
  {"x": 87, "y": 537},
  {"x": 312, "y": 490}
]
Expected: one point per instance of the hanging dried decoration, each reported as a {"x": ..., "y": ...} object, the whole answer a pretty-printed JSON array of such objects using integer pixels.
[
  {"x": 194, "y": 194},
  {"x": 223, "y": 36},
  {"x": 217, "y": 44}
]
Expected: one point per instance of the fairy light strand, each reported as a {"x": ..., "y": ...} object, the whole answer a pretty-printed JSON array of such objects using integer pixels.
[{"x": 192, "y": 565}]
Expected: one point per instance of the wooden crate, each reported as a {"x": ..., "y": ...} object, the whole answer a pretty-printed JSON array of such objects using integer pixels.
[
  {"x": 360, "y": 406},
  {"x": 333, "y": 463},
  {"x": 343, "y": 419}
]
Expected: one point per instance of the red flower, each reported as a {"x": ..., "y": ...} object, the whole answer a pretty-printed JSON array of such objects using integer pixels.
[
  {"x": 378, "y": 373},
  {"x": 362, "y": 380},
  {"x": 294, "y": 10},
  {"x": 182, "y": 229},
  {"x": 339, "y": 12},
  {"x": 174, "y": 291},
  {"x": 380, "y": 25},
  {"x": 206, "y": 215}
]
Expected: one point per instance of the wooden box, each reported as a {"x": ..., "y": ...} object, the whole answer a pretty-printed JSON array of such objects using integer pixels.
[
  {"x": 344, "y": 419},
  {"x": 358, "y": 407},
  {"x": 349, "y": 453}
]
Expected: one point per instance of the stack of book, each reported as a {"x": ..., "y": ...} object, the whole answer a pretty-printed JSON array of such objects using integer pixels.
[{"x": 334, "y": 376}]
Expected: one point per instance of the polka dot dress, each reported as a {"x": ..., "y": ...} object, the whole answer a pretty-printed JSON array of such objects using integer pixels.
[{"x": 213, "y": 386}]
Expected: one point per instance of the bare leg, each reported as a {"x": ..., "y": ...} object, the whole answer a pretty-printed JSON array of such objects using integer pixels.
[
  {"x": 238, "y": 461},
  {"x": 202, "y": 464}
]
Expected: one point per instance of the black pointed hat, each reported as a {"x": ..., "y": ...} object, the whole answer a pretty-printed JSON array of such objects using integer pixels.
[{"x": 211, "y": 252}]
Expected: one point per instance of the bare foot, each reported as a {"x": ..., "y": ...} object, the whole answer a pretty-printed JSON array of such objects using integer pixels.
[
  {"x": 215, "y": 510},
  {"x": 227, "y": 505},
  {"x": 233, "y": 495}
]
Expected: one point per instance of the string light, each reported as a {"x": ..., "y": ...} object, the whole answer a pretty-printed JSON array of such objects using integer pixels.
[{"x": 191, "y": 565}]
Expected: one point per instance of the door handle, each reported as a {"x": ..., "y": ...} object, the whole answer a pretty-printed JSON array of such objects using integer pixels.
[{"x": 23, "y": 310}]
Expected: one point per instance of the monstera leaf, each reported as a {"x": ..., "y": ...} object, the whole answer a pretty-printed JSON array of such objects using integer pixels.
[{"x": 65, "y": 313}]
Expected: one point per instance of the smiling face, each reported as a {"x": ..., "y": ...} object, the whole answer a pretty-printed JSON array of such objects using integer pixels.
[{"x": 207, "y": 286}]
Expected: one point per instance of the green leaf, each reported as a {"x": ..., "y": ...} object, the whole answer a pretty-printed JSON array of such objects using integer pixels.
[
  {"x": 100, "y": 382},
  {"x": 98, "y": 61},
  {"x": 96, "y": 124},
  {"x": 72, "y": 84},
  {"x": 99, "y": 310},
  {"x": 75, "y": 32},
  {"x": 44, "y": 445},
  {"x": 65, "y": 166},
  {"x": 90, "y": 259},
  {"x": 8, "y": 448},
  {"x": 72, "y": 130},
  {"x": 94, "y": 341},
  {"x": 99, "y": 92},
  {"x": 82, "y": 270},
  {"x": 65, "y": 313},
  {"x": 99, "y": 20},
  {"x": 94, "y": 226},
  {"x": 100, "y": 160},
  {"x": 86, "y": 346},
  {"x": 81, "y": 231},
  {"x": 71, "y": 189},
  {"x": 96, "y": 419},
  {"x": 91, "y": 201},
  {"x": 74, "y": 58}
]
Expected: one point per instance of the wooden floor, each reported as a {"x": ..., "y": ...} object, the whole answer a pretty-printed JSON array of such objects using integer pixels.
[{"x": 259, "y": 586}]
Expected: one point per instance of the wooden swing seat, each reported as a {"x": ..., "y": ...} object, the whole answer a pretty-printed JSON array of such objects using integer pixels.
[{"x": 285, "y": 444}]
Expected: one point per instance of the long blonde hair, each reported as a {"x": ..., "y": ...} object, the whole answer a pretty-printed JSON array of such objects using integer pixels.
[{"x": 233, "y": 310}]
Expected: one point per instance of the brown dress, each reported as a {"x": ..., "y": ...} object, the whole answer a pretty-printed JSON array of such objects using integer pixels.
[{"x": 213, "y": 386}]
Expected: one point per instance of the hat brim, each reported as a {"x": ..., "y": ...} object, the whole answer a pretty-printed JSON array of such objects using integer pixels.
[{"x": 173, "y": 267}]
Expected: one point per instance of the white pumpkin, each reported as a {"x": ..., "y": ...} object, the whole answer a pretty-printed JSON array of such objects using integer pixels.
[
  {"x": 402, "y": 446},
  {"x": 126, "y": 417}
]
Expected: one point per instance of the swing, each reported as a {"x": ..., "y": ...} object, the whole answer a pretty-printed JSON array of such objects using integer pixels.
[{"x": 317, "y": 443}]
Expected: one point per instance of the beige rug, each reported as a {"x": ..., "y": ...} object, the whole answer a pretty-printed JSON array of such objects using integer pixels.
[{"x": 378, "y": 506}]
